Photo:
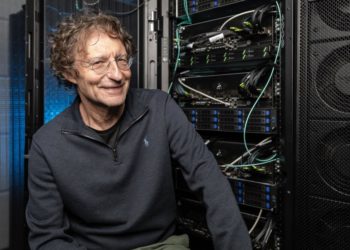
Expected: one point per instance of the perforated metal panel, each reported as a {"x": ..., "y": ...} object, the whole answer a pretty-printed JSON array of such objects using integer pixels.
[
  {"x": 330, "y": 221},
  {"x": 323, "y": 126},
  {"x": 329, "y": 79},
  {"x": 329, "y": 154},
  {"x": 329, "y": 19}
]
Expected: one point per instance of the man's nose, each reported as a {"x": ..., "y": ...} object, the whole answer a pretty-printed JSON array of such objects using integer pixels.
[{"x": 113, "y": 71}]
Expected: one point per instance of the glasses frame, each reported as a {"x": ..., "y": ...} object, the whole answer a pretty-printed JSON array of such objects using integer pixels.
[{"x": 104, "y": 68}]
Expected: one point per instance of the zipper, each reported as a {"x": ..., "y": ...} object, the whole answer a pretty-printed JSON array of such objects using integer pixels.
[
  {"x": 115, "y": 154},
  {"x": 114, "y": 149}
]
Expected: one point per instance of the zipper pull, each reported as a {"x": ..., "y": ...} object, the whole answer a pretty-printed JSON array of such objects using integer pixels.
[{"x": 115, "y": 155}]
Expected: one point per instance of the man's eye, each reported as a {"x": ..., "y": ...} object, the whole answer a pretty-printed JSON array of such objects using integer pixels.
[
  {"x": 97, "y": 64},
  {"x": 122, "y": 61}
]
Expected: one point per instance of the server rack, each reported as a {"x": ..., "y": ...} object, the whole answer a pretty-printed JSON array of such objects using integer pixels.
[
  {"x": 230, "y": 68},
  {"x": 310, "y": 98}
]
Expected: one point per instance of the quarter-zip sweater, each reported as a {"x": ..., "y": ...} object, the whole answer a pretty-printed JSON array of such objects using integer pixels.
[{"x": 85, "y": 194}]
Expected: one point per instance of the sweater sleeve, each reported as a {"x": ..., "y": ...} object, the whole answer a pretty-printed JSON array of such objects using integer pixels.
[
  {"x": 202, "y": 174},
  {"x": 47, "y": 222}
]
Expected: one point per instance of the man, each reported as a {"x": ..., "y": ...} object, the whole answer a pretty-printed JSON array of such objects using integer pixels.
[{"x": 100, "y": 173}]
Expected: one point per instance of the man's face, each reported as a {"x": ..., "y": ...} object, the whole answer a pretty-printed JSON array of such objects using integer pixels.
[{"x": 109, "y": 88}]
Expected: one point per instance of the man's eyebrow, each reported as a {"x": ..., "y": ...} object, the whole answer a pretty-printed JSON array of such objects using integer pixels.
[
  {"x": 121, "y": 55},
  {"x": 96, "y": 58}
]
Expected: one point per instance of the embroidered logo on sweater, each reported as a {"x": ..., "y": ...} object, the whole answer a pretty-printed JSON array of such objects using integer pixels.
[{"x": 146, "y": 142}]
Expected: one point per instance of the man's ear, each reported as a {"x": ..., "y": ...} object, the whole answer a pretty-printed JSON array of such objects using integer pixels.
[{"x": 70, "y": 77}]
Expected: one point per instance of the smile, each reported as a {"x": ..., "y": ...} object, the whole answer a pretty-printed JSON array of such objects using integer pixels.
[
  {"x": 113, "y": 90},
  {"x": 112, "y": 87}
]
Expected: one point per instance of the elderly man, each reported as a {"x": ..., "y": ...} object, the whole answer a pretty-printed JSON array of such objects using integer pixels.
[{"x": 100, "y": 174}]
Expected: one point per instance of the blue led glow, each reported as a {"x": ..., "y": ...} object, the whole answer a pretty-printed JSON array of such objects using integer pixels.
[
  {"x": 56, "y": 97},
  {"x": 193, "y": 6},
  {"x": 13, "y": 127}
]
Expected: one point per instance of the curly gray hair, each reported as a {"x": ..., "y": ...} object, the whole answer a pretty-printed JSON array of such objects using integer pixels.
[{"x": 73, "y": 31}]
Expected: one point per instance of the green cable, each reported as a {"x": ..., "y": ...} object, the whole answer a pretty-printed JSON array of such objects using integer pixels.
[
  {"x": 249, "y": 165},
  {"x": 177, "y": 39},
  {"x": 77, "y": 6},
  {"x": 263, "y": 90},
  {"x": 186, "y": 11},
  {"x": 178, "y": 55}
]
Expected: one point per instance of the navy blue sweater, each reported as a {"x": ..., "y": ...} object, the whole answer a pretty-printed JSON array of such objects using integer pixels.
[{"x": 84, "y": 194}]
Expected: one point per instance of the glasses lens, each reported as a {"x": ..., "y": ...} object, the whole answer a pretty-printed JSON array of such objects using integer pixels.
[
  {"x": 124, "y": 64},
  {"x": 102, "y": 66},
  {"x": 100, "y": 69},
  {"x": 99, "y": 65}
]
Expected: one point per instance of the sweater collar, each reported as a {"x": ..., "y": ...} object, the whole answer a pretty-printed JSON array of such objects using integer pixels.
[{"x": 133, "y": 110}]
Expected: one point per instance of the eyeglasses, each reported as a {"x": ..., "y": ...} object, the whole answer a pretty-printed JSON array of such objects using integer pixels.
[{"x": 101, "y": 66}]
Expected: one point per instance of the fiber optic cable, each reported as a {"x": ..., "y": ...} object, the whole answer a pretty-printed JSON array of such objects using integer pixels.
[
  {"x": 264, "y": 88},
  {"x": 248, "y": 165},
  {"x": 234, "y": 17},
  {"x": 203, "y": 94},
  {"x": 256, "y": 222},
  {"x": 177, "y": 40}
]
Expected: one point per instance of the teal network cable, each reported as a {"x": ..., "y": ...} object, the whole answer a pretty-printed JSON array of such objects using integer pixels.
[
  {"x": 263, "y": 90},
  {"x": 177, "y": 40}
]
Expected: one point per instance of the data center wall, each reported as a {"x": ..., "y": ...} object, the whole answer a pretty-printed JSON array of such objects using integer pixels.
[{"x": 227, "y": 79}]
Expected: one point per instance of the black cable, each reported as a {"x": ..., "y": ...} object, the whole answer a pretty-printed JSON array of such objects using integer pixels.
[
  {"x": 248, "y": 86},
  {"x": 255, "y": 14},
  {"x": 262, "y": 14},
  {"x": 253, "y": 87}
]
